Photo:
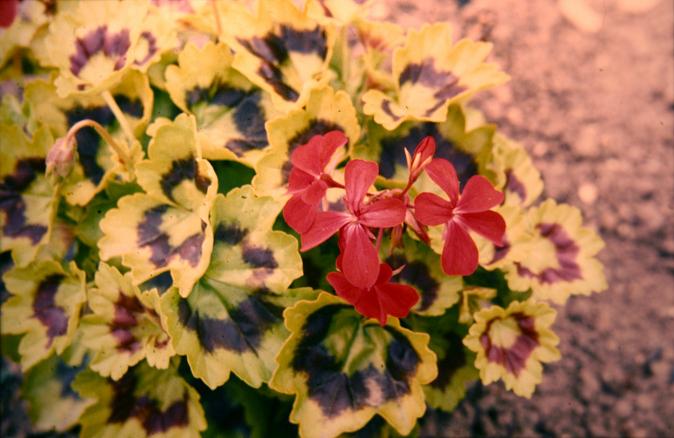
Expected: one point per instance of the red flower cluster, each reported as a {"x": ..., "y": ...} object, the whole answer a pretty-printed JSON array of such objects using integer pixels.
[
  {"x": 364, "y": 281},
  {"x": 468, "y": 211}
]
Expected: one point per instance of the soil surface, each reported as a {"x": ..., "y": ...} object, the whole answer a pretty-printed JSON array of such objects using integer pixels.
[{"x": 595, "y": 108}]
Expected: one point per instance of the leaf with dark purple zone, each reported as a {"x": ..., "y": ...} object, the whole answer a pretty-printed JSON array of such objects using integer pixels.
[
  {"x": 280, "y": 47},
  {"x": 463, "y": 148},
  {"x": 53, "y": 405},
  {"x": 124, "y": 326},
  {"x": 230, "y": 111},
  {"x": 231, "y": 321},
  {"x": 44, "y": 305},
  {"x": 167, "y": 227},
  {"x": 566, "y": 262},
  {"x": 422, "y": 270},
  {"x": 144, "y": 402},
  {"x": 343, "y": 369},
  {"x": 432, "y": 72},
  {"x": 27, "y": 198},
  {"x": 512, "y": 343}
]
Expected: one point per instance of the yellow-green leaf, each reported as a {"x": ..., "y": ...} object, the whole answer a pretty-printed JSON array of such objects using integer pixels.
[{"x": 344, "y": 369}]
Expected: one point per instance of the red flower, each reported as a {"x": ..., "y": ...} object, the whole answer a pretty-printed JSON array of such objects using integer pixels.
[
  {"x": 360, "y": 258},
  {"x": 382, "y": 299},
  {"x": 309, "y": 179},
  {"x": 468, "y": 211}
]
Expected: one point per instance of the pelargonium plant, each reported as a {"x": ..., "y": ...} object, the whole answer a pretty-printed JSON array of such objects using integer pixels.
[{"x": 229, "y": 218}]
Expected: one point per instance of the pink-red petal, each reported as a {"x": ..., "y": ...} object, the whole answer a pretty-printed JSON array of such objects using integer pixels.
[
  {"x": 442, "y": 172},
  {"x": 383, "y": 213},
  {"x": 332, "y": 141},
  {"x": 478, "y": 195},
  {"x": 486, "y": 223},
  {"x": 298, "y": 214},
  {"x": 299, "y": 180},
  {"x": 459, "y": 254},
  {"x": 359, "y": 176},
  {"x": 360, "y": 263},
  {"x": 325, "y": 225},
  {"x": 396, "y": 299},
  {"x": 343, "y": 288},
  {"x": 430, "y": 209},
  {"x": 313, "y": 194}
]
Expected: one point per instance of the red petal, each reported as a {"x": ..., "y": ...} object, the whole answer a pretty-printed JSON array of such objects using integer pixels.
[
  {"x": 459, "y": 255},
  {"x": 369, "y": 306},
  {"x": 396, "y": 299},
  {"x": 360, "y": 263},
  {"x": 298, "y": 214},
  {"x": 487, "y": 223},
  {"x": 343, "y": 288},
  {"x": 332, "y": 141},
  {"x": 308, "y": 156},
  {"x": 385, "y": 273},
  {"x": 315, "y": 192},
  {"x": 325, "y": 225},
  {"x": 8, "y": 11},
  {"x": 359, "y": 176},
  {"x": 299, "y": 180},
  {"x": 478, "y": 195},
  {"x": 442, "y": 172},
  {"x": 430, "y": 209},
  {"x": 383, "y": 213}
]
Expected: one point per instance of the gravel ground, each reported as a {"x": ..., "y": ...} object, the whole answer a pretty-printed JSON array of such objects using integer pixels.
[{"x": 595, "y": 107}]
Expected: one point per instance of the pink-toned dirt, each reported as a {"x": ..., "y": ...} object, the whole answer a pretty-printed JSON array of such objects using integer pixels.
[{"x": 596, "y": 111}]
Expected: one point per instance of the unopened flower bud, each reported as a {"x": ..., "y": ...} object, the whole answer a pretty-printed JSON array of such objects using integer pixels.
[{"x": 61, "y": 157}]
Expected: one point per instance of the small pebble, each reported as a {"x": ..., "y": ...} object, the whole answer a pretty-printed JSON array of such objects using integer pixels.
[
  {"x": 587, "y": 192},
  {"x": 581, "y": 15},
  {"x": 587, "y": 143}
]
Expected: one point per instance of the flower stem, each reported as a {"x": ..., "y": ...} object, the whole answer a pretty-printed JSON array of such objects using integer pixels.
[
  {"x": 119, "y": 115},
  {"x": 122, "y": 151}
]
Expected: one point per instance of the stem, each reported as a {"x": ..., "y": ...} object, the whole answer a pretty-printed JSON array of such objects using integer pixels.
[
  {"x": 119, "y": 115},
  {"x": 121, "y": 151},
  {"x": 218, "y": 24},
  {"x": 345, "y": 49}
]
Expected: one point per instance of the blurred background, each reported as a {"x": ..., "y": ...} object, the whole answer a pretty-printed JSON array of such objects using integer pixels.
[{"x": 592, "y": 99}]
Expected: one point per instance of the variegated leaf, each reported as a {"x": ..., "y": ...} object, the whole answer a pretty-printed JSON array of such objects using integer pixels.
[
  {"x": 231, "y": 321},
  {"x": 52, "y": 403},
  {"x": 431, "y": 72},
  {"x": 27, "y": 198},
  {"x": 145, "y": 402},
  {"x": 280, "y": 49},
  {"x": 230, "y": 111},
  {"x": 44, "y": 307},
  {"x": 125, "y": 326},
  {"x": 167, "y": 227},
  {"x": 343, "y": 369}
]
